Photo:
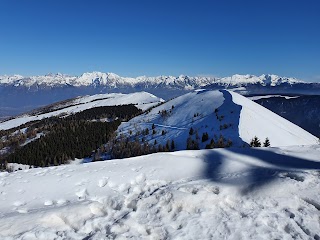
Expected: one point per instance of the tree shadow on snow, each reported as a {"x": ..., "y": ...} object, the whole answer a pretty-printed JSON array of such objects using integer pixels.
[{"x": 255, "y": 177}]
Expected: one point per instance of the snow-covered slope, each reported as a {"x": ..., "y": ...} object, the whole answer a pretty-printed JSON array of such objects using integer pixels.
[
  {"x": 142, "y": 100},
  {"x": 217, "y": 113},
  {"x": 265, "y": 193},
  {"x": 112, "y": 80},
  {"x": 263, "y": 122}
]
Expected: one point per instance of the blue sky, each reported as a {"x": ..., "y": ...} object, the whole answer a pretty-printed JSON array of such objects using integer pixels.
[{"x": 152, "y": 37}]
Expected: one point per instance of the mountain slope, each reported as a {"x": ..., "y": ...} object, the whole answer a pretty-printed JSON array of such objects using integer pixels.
[
  {"x": 141, "y": 100},
  {"x": 302, "y": 110},
  {"x": 218, "y": 113},
  {"x": 263, "y": 122}
]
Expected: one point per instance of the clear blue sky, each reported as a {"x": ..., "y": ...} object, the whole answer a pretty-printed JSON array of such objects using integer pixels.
[{"x": 168, "y": 37}]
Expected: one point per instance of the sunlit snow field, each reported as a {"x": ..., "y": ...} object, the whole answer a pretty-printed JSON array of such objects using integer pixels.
[{"x": 265, "y": 193}]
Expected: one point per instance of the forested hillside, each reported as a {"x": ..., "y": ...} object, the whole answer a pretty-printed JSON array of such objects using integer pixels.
[{"x": 54, "y": 140}]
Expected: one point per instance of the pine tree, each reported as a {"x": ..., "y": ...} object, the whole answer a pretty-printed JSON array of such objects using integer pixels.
[
  {"x": 172, "y": 145},
  {"x": 205, "y": 137},
  {"x": 191, "y": 131},
  {"x": 266, "y": 143},
  {"x": 255, "y": 142}
]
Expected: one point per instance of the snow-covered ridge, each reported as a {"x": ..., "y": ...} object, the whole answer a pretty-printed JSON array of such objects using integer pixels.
[
  {"x": 217, "y": 113},
  {"x": 142, "y": 100},
  {"x": 115, "y": 81}
]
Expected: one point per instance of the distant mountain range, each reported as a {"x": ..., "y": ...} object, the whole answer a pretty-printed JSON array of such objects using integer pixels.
[
  {"x": 112, "y": 80},
  {"x": 19, "y": 94}
]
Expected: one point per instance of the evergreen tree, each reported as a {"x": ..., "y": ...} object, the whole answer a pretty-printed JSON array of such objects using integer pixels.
[
  {"x": 266, "y": 143},
  {"x": 205, "y": 137},
  {"x": 172, "y": 145},
  {"x": 255, "y": 142}
]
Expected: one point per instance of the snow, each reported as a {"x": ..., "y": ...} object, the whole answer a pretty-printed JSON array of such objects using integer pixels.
[
  {"x": 271, "y": 96},
  {"x": 16, "y": 166},
  {"x": 261, "y": 122},
  {"x": 113, "y": 80},
  {"x": 142, "y": 100},
  {"x": 264, "y": 79},
  {"x": 29, "y": 140},
  {"x": 238, "y": 119},
  {"x": 237, "y": 193}
]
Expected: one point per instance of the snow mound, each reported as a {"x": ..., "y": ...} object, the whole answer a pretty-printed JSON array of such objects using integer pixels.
[{"x": 218, "y": 113}]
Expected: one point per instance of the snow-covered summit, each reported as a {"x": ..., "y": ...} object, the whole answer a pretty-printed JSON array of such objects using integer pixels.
[
  {"x": 113, "y": 80},
  {"x": 216, "y": 113}
]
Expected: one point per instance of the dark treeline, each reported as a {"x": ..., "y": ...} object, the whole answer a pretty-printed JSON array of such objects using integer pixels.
[
  {"x": 70, "y": 137},
  {"x": 125, "y": 147},
  {"x": 124, "y": 112}
]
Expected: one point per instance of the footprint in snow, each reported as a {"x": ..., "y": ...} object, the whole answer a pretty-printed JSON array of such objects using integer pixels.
[
  {"x": 140, "y": 179},
  {"x": 102, "y": 182},
  {"x": 82, "y": 193}
]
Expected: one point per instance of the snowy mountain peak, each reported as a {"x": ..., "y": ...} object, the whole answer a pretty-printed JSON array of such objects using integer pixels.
[
  {"x": 113, "y": 80},
  {"x": 216, "y": 113}
]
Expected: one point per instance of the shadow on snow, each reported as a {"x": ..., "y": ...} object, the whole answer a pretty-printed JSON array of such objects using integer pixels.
[{"x": 256, "y": 177}]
